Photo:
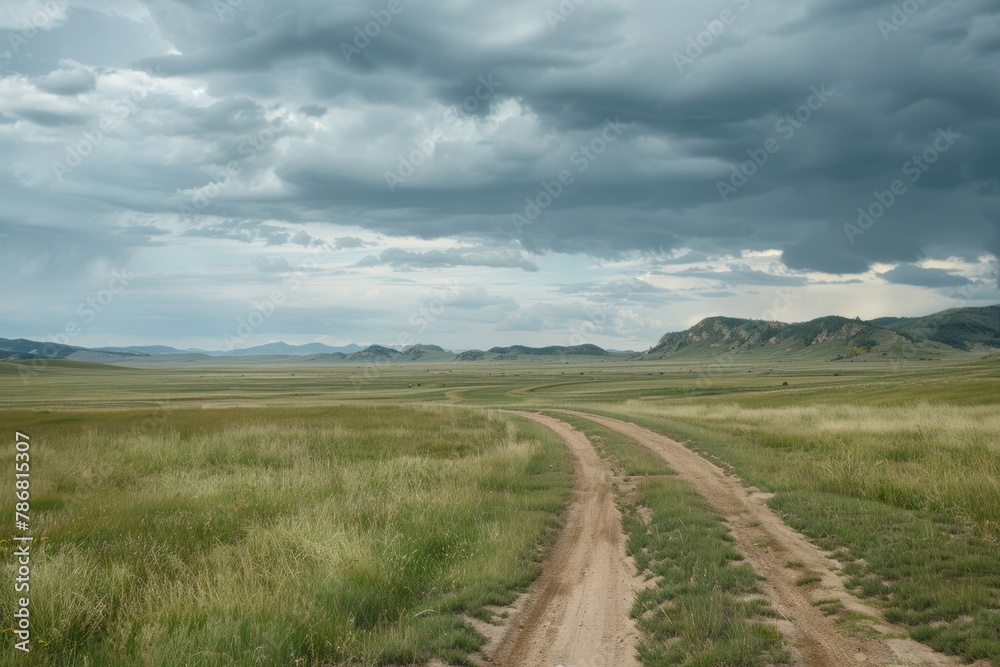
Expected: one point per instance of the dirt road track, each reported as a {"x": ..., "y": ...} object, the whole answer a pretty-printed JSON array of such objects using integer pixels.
[
  {"x": 770, "y": 545},
  {"x": 456, "y": 394},
  {"x": 577, "y": 614}
]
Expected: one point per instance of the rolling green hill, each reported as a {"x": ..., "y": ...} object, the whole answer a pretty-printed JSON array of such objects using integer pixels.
[
  {"x": 833, "y": 337},
  {"x": 21, "y": 348},
  {"x": 826, "y": 336},
  {"x": 516, "y": 351},
  {"x": 960, "y": 328},
  {"x": 427, "y": 353}
]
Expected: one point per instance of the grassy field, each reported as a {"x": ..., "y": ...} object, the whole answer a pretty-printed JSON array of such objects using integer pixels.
[
  {"x": 892, "y": 465},
  {"x": 354, "y": 535}
]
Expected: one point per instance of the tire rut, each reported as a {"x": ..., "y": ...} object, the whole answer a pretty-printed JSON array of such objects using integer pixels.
[{"x": 577, "y": 613}]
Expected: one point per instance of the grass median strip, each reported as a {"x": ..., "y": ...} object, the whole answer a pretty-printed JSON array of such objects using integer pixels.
[
  {"x": 704, "y": 607},
  {"x": 339, "y": 535}
]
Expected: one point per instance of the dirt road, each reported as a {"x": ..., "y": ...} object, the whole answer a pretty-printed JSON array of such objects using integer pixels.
[
  {"x": 577, "y": 614},
  {"x": 456, "y": 394},
  {"x": 782, "y": 556}
]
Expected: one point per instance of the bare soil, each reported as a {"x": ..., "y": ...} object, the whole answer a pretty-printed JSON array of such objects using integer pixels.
[{"x": 577, "y": 613}]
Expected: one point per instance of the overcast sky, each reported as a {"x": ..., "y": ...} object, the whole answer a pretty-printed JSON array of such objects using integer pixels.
[{"x": 232, "y": 172}]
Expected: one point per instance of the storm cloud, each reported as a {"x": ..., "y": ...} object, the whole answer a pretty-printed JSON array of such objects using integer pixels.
[{"x": 742, "y": 146}]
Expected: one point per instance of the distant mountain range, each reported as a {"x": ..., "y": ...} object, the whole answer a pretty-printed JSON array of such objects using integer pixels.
[
  {"x": 21, "y": 349},
  {"x": 833, "y": 337},
  {"x": 961, "y": 328},
  {"x": 259, "y": 350}
]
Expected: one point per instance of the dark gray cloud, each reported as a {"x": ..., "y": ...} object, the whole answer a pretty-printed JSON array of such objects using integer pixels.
[
  {"x": 742, "y": 274},
  {"x": 877, "y": 112},
  {"x": 302, "y": 238},
  {"x": 494, "y": 258},
  {"x": 242, "y": 230},
  {"x": 541, "y": 317},
  {"x": 70, "y": 81},
  {"x": 350, "y": 242},
  {"x": 910, "y": 274},
  {"x": 314, "y": 110},
  {"x": 478, "y": 298},
  {"x": 459, "y": 137},
  {"x": 271, "y": 264},
  {"x": 40, "y": 254}
]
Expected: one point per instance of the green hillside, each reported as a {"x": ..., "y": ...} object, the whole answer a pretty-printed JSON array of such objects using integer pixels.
[
  {"x": 826, "y": 336},
  {"x": 516, "y": 351},
  {"x": 960, "y": 328}
]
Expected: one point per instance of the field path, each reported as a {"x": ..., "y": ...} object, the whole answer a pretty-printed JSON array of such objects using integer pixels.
[
  {"x": 456, "y": 394},
  {"x": 577, "y": 613},
  {"x": 770, "y": 546}
]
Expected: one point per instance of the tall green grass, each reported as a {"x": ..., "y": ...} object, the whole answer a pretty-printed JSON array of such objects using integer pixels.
[{"x": 336, "y": 536}]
